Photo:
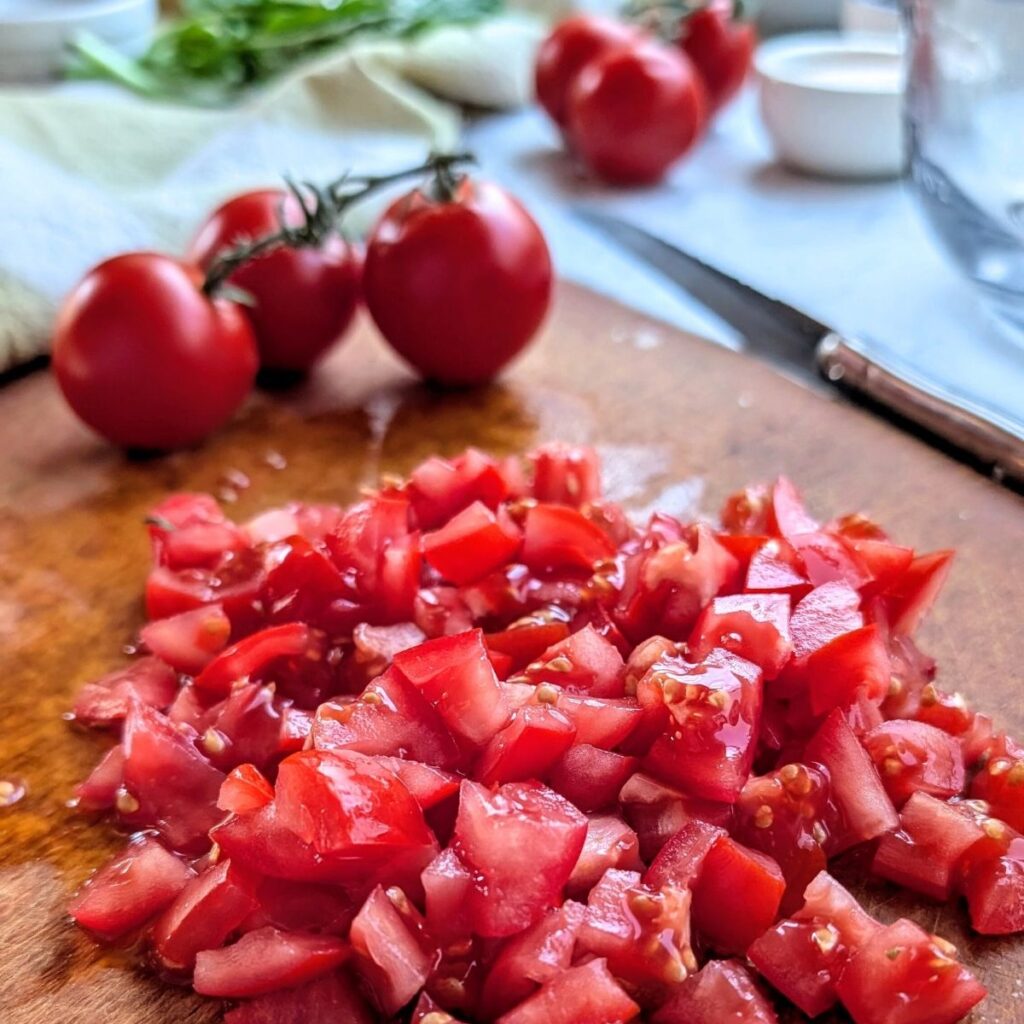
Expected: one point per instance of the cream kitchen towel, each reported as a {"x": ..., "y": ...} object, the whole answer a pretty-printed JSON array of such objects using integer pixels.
[{"x": 88, "y": 171}]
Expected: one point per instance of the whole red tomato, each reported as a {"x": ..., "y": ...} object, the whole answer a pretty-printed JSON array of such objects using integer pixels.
[
  {"x": 721, "y": 48},
  {"x": 303, "y": 299},
  {"x": 634, "y": 111},
  {"x": 573, "y": 43},
  {"x": 457, "y": 285},
  {"x": 146, "y": 359}
]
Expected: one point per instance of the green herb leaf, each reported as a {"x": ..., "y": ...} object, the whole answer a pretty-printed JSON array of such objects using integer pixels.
[{"x": 220, "y": 48}]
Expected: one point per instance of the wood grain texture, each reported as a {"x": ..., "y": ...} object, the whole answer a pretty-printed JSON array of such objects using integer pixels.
[{"x": 680, "y": 423}]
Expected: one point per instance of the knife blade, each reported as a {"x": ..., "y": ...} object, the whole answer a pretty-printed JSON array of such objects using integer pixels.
[{"x": 814, "y": 353}]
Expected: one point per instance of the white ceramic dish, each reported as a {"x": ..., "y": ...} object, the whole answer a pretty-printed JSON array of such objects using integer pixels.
[
  {"x": 832, "y": 103},
  {"x": 34, "y": 33}
]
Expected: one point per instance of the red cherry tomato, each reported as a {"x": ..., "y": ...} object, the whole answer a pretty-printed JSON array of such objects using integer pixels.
[
  {"x": 574, "y": 42},
  {"x": 146, "y": 359},
  {"x": 721, "y": 49},
  {"x": 634, "y": 111},
  {"x": 458, "y": 287},
  {"x": 304, "y": 299}
]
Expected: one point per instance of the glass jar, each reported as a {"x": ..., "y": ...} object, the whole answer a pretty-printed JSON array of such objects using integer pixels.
[{"x": 965, "y": 125}]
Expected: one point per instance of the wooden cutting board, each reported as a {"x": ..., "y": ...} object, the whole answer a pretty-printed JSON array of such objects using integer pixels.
[{"x": 680, "y": 423}]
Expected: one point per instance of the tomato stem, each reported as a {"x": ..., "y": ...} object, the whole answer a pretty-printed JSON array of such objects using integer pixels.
[
  {"x": 665, "y": 18},
  {"x": 322, "y": 209}
]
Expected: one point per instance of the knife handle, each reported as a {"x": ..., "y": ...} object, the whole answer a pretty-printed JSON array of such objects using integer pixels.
[{"x": 980, "y": 433}]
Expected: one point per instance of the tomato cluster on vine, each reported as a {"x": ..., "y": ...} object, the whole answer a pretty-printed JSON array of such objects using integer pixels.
[
  {"x": 632, "y": 97},
  {"x": 156, "y": 352}
]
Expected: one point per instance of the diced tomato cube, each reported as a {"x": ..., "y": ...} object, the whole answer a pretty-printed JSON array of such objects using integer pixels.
[
  {"x": 475, "y": 542},
  {"x": 167, "y": 783},
  {"x": 586, "y": 994},
  {"x": 137, "y": 884},
  {"x": 429, "y": 785},
  {"x": 302, "y": 907},
  {"x": 788, "y": 814},
  {"x": 256, "y": 656},
  {"x": 205, "y": 912},
  {"x": 657, "y": 812},
  {"x": 438, "y": 489},
  {"x": 537, "y": 736},
  {"x": 296, "y": 725},
  {"x": 245, "y": 728},
  {"x": 99, "y": 791},
  {"x": 801, "y": 959},
  {"x": 642, "y": 932},
  {"x": 913, "y": 757},
  {"x": 348, "y": 804},
  {"x": 867, "y": 812},
  {"x": 584, "y": 662},
  {"x": 388, "y": 955},
  {"x": 903, "y": 975},
  {"x": 803, "y": 956},
  {"x": 924, "y": 855},
  {"x": 789, "y": 516},
  {"x": 994, "y": 885},
  {"x": 189, "y": 641},
  {"x": 448, "y": 885},
  {"x": 391, "y": 717},
  {"x": 603, "y": 722},
  {"x": 528, "y": 638},
  {"x": 1001, "y": 781},
  {"x": 853, "y": 664},
  {"x": 912, "y": 595},
  {"x": 455, "y": 675},
  {"x": 527, "y": 961},
  {"x": 753, "y": 626},
  {"x": 303, "y": 584},
  {"x": 589, "y": 777},
  {"x": 826, "y": 559},
  {"x": 713, "y": 713},
  {"x": 736, "y": 896},
  {"x": 824, "y": 614},
  {"x": 522, "y": 843},
  {"x": 190, "y": 531},
  {"x": 679, "y": 570},
  {"x": 680, "y": 860},
  {"x": 559, "y": 537},
  {"x": 376, "y": 646},
  {"x": 775, "y": 568},
  {"x": 234, "y": 583},
  {"x": 330, "y": 999},
  {"x": 106, "y": 701},
  {"x": 565, "y": 474},
  {"x": 722, "y": 990},
  {"x": 266, "y": 960},
  {"x": 885, "y": 562},
  {"x": 610, "y": 843},
  {"x": 749, "y": 511}
]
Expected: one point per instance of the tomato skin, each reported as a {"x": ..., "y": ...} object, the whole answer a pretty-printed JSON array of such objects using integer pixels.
[
  {"x": 304, "y": 299},
  {"x": 146, "y": 359},
  {"x": 634, "y": 111},
  {"x": 721, "y": 49},
  {"x": 572, "y": 44},
  {"x": 458, "y": 288}
]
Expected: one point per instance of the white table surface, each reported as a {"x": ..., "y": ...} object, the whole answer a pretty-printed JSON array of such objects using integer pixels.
[{"x": 857, "y": 256}]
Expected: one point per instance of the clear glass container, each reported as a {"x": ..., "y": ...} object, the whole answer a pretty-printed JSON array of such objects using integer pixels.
[{"x": 965, "y": 128}]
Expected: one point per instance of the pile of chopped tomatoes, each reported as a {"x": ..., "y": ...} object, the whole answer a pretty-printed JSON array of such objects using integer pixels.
[{"x": 478, "y": 748}]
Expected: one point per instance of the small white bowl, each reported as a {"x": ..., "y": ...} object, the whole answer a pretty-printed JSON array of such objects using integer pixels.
[
  {"x": 832, "y": 103},
  {"x": 34, "y": 33}
]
